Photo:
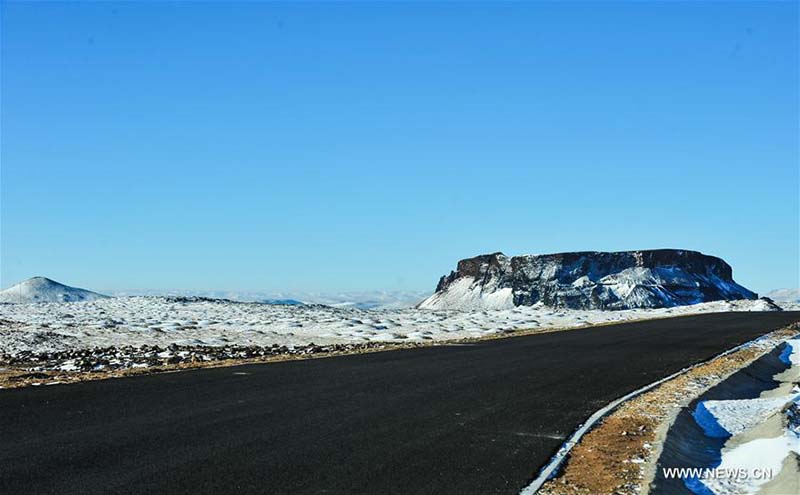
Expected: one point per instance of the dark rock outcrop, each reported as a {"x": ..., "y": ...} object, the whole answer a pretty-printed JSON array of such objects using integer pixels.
[{"x": 588, "y": 280}]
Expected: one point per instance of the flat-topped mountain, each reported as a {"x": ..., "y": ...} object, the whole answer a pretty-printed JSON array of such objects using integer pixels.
[
  {"x": 587, "y": 280},
  {"x": 41, "y": 289}
]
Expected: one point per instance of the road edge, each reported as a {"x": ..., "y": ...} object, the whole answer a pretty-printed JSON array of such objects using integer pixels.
[{"x": 550, "y": 469}]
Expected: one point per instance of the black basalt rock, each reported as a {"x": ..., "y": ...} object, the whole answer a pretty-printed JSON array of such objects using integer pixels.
[{"x": 595, "y": 280}]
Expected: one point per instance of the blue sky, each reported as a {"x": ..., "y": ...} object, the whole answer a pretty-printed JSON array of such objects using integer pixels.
[{"x": 355, "y": 146}]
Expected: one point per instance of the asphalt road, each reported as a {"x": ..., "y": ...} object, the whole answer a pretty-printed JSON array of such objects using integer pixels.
[{"x": 465, "y": 419}]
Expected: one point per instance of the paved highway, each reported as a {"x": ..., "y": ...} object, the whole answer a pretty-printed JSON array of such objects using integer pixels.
[{"x": 463, "y": 419}]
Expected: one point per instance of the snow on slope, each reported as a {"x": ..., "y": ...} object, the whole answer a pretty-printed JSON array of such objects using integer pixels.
[
  {"x": 41, "y": 289},
  {"x": 465, "y": 294},
  {"x": 162, "y": 321},
  {"x": 723, "y": 418}
]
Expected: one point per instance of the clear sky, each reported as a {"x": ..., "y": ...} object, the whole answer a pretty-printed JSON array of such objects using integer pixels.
[{"x": 363, "y": 146}]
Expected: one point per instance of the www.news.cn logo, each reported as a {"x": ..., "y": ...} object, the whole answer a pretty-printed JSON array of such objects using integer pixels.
[{"x": 719, "y": 473}]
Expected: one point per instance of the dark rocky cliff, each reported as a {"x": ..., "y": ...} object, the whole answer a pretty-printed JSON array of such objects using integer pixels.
[{"x": 588, "y": 280}]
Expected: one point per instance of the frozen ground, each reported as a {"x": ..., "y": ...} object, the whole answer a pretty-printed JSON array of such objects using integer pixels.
[{"x": 161, "y": 321}]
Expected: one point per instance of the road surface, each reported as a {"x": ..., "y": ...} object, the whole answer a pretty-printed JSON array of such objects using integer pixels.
[{"x": 463, "y": 419}]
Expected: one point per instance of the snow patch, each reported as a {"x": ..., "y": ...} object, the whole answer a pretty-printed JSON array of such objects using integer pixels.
[
  {"x": 791, "y": 353},
  {"x": 723, "y": 418},
  {"x": 752, "y": 457}
]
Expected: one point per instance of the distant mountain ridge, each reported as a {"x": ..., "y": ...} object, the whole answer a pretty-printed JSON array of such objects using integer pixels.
[
  {"x": 42, "y": 289},
  {"x": 282, "y": 302},
  {"x": 365, "y": 299},
  {"x": 785, "y": 295},
  {"x": 587, "y": 280}
]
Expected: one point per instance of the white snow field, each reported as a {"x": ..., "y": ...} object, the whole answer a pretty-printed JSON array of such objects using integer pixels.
[{"x": 151, "y": 320}]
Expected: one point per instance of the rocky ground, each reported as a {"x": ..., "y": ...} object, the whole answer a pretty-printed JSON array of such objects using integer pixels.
[
  {"x": 46, "y": 368},
  {"x": 58, "y": 342},
  {"x": 163, "y": 321}
]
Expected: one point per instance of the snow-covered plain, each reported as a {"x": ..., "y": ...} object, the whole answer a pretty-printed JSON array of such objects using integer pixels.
[{"x": 137, "y": 321}]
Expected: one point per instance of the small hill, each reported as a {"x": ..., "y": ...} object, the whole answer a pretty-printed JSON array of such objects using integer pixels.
[{"x": 41, "y": 289}]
